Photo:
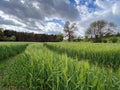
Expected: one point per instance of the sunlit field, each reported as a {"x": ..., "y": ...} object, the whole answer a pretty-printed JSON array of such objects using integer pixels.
[{"x": 59, "y": 66}]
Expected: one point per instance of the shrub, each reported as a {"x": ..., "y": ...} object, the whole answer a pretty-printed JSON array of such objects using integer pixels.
[
  {"x": 104, "y": 40},
  {"x": 113, "y": 39}
]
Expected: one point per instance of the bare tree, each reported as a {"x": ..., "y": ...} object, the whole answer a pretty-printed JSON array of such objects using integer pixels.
[
  {"x": 69, "y": 30},
  {"x": 99, "y": 29}
]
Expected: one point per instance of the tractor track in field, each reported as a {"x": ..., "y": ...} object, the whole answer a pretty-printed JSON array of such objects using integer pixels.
[{"x": 4, "y": 67}]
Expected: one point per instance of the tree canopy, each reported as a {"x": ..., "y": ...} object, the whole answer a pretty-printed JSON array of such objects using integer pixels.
[
  {"x": 69, "y": 30},
  {"x": 10, "y": 35},
  {"x": 99, "y": 29}
]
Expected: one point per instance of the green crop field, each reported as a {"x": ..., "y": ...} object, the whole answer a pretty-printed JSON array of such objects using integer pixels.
[{"x": 59, "y": 66}]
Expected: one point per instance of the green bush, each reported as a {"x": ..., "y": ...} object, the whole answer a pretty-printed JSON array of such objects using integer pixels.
[
  {"x": 113, "y": 39},
  {"x": 12, "y": 38},
  {"x": 104, "y": 40}
]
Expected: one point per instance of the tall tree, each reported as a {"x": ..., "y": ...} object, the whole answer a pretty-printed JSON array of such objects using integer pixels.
[
  {"x": 99, "y": 29},
  {"x": 69, "y": 30}
]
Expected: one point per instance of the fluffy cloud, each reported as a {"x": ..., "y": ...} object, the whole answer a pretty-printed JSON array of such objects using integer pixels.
[
  {"x": 105, "y": 9},
  {"x": 116, "y": 8},
  {"x": 31, "y": 14},
  {"x": 77, "y": 1},
  {"x": 6, "y": 19},
  {"x": 55, "y": 28},
  {"x": 105, "y": 4},
  {"x": 49, "y": 16},
  {"x": 39, "y": 9}
]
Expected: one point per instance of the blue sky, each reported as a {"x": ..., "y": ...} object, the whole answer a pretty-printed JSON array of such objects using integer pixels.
[{"x": 49, "y": 16}]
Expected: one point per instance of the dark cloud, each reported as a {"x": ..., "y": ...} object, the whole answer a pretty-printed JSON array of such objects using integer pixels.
[
  {"x": 33, "y": 14},
  {"x": 7, "y": 22},
  {"x": 59, "y": 8},
  {"x": 47, "y": 8},
  {"x": 23, "y": 11},
  {"x": 31, "y": 11}
]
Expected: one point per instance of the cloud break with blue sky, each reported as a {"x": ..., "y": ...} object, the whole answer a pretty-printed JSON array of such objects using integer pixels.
[{"x": 49, "y": 16}]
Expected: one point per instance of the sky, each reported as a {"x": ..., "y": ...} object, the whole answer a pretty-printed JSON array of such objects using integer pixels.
[{"x": 49, "y": 16}]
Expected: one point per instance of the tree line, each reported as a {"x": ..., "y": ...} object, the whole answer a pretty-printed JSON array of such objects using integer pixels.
[
  {"x": 10, "y": 35},
  {"x": 98, "y": 31}
]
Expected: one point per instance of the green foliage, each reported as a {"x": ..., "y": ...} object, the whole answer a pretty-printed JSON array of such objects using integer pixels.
[
  {"x": 11, "y": 38},
  {"x": 38, "y": 68},
  {"x": 10, "y": 49},
  {"x": 113, "y": 39},
  {"x": 104, "y": 40},
  {"x": 10, "y": 35},
  {"x": 1, "y": 35},
  {"x": 107, "y": 55},
  {"x": 99, "y": 30},
  {"x": 59, "y": 38}
]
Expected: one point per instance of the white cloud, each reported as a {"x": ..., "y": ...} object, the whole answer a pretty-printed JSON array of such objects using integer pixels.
[
  {"x": 110, "y": 11},
  {"x": 31, "y": 15},
  {"x": 11, "y": 18},
  {"x": 22, "y": 1},
  {"x": 77, "y": 1},
  {"x": 36, "y": 5},
  {"x": 53, "y": 27},
  {"x": 103, "y": 4},
  {"x": 116, "y": 8},
  {"x": 83, "y": 10},
  {"x": 7, "y": 0}
]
